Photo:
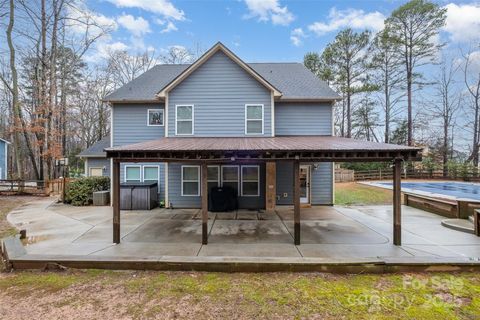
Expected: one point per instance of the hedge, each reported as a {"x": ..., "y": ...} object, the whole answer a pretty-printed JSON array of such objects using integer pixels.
[{"x": 80, "y": 192}]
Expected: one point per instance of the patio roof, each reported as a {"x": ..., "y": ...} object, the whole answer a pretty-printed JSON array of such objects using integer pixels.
[{"x": 306, "y": 148}]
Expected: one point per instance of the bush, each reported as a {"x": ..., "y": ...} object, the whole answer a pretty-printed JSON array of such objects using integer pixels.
[{"x": 80, "y": 192}]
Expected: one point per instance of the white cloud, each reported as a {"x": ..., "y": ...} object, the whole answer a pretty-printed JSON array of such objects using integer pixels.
[
  {"x": 353, "y": 18},
  {"x": 170, "y": 27},
  {"x": 81, "y": 20},
  {"x": 296, "y": 36},
  {"x": 269, "y": 10},
  {"x": 463, "y": 22},
  {"x": 137, "y": 26},
  {"x": 162, "y": 7},
  {"x": 102, "y": 49}
]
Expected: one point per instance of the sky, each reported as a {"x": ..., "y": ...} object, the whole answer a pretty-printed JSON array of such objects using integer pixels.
[{"x": 256, "y": 30}]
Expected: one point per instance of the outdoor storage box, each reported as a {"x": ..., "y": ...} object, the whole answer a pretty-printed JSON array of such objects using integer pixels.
[
  {"x": 101, "y": 198},
  {"x": 138, "y": 195}
]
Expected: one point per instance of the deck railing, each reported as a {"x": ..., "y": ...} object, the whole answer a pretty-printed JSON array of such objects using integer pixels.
[{"x": 343, "y": 175}]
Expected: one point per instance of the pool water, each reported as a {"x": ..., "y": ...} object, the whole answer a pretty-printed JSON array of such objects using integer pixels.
[{"x": 459, "y": 190}]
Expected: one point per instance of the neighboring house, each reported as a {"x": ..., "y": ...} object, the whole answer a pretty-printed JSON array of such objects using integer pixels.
[
  {"x": 221, "y": 96},
  {"x": 3, "y": 159},
  {"x": 96, "y": 162}
]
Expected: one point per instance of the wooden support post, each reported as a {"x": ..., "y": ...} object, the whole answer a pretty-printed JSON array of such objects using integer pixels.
[
  {"x": 296, "y": 201},
  {"x": 397, "y": 202},
  {"x": 204, "y": 191},
  {"x": 116, "y": 200},
  {"x": 271, "y": 190}
]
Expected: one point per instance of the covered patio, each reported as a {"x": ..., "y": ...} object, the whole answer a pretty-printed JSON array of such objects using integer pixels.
[{"x": 269, "y": 150}]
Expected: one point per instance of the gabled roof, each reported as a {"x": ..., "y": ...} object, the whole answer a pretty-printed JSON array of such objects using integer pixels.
[
  {"x": 293, "y": 80},
  {"x": 207, "y": 55},
  {"x": 96, "y": 150}
]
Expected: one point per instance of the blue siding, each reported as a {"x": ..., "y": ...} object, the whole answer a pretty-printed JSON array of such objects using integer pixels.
[
  {"x": 303, "y": 118},
  {"x": 3, "y": 165},
  {"x": 98, "y": 163},
  {"x": 179, "y": 201},
  {"x": 130, "y": 126},
  {"x": 321, "y": 183},
  {"x": 219, "y": 90}
]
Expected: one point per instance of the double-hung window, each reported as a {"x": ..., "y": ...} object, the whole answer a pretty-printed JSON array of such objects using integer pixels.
[
  {"x": 133, "y": 174},
  {"x": 254, "y": 119},
  {"x": 230, "y": 177},
  {"x": 190, "y": 180},
  {"x": 250, "y": 181},
  {"x": 184, "y": 120},
  {"x": 150, "y": 174}
]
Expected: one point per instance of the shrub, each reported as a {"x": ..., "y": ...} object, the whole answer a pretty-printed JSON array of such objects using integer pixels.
[{"x": 80, "y": 192}]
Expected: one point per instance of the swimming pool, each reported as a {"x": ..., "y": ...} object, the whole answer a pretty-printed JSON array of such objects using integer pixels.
[{"x": 452, "y": 190}]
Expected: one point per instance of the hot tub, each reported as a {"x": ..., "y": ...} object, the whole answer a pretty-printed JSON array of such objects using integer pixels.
[{"x": 138, "y": 195}]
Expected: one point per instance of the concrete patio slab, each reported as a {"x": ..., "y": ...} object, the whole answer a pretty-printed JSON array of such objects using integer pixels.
[
  {"x": 214, "y": 249},
  {"x": 245, "y": 231},
  {"x": 351, "y": 235}
]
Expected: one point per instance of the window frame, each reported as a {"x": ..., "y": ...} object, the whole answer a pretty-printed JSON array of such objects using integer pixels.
[
  {"x": 238, "y": 176},
  {"x": 182, "y": 180},
  {"x": 257, "y": 181},
  {"x": 192, "y": 120},
  {"x": 155, "y": 125},
  {"x": 218, "y": 175},
  {"x": 132, "y": 166},
  {"x": 94, "y": 168},
  {"x": 151, "y": 166},
  {"x": 246, "y": 118}
]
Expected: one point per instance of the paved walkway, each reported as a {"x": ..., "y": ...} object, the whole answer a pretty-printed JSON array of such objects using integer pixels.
[{"x": 359, "y": 232}]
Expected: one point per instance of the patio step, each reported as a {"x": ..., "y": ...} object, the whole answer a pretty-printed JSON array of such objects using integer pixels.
[{"x": 463, "y": 225}]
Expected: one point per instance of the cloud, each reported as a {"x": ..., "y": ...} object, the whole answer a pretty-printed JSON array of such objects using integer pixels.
[
  {"x": 81, "y": 20},
  {"x": 102, "y": 49},
  {"x": 296, "y": 36},
  {"x": 137, "y": 26},
  {"x": 169, "y": 26},
  {"x": 269, "y": 10},
  {"x": 353, "y": 18},
  {"x": 463, "y": 22},
  {"x": 162, "y": 7}
]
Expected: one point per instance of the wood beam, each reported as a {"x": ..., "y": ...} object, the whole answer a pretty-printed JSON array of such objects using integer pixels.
[
  {"x": 397, "y": 204},
  {"x": 116, "y": 200},
  {"x": 204, "y": 191},
  {"x": 271, "y": 186},
  {"x": 296, "y": 201}
]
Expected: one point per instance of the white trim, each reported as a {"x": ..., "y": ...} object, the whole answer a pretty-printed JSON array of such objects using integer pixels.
[
  {"x": 308, "y": 184},
  {"x": 193, "y": 119},
  {"x": 218, "y": 174},
  {"x": 5, "y": 174},
  {"x": 132, "y": 166},
  {"x": 217, "y": 47},
  {"x": 272, "y": 114},
  {"x": 85, "y": 167},
  {"x": 155, "y": 125},
  {"x": 166, "y": 106},
  {"x": 257, "y": 181},
  {"x": 238, "y": 176},
  {"x": 158, "y": 173},
  {"x": 167, "y": 203},
  {"x": 182, "y": 181},
  {"x": 246, "y": 120},
  {"x": 111, "y": 159}
]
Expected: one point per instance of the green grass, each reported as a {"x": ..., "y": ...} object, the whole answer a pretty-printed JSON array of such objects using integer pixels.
[
  {"x": 358, "y": 194},
  {"x": 266, "y": 295}
]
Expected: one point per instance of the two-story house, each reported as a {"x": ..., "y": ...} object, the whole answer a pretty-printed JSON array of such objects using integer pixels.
[
  {"x": 263, "y": 129},
  {"x": 221, "y": 96}
]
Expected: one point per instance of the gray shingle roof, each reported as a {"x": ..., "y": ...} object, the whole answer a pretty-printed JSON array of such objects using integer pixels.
[
  {"x": 96, "y": 149},
  {"x": 292, "y": 79}
]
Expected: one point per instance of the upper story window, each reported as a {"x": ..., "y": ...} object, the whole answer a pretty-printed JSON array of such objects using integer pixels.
[
  {"x": 254, "y": 119},
  {"x": 155, "y": 117},
  {"x": 184, "y": 120}
]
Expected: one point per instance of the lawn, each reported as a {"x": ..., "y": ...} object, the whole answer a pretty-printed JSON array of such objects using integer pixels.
[
  {"x": 98, "y": 294},
  {"x": 351, "y": 193}
]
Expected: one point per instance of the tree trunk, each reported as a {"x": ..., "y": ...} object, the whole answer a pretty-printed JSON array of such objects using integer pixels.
[{"x": 16, "y": 109}]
